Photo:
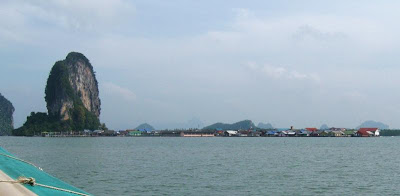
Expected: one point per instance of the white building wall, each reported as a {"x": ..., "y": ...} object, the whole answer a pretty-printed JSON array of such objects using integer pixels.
[{"x": 377, "y": 132}]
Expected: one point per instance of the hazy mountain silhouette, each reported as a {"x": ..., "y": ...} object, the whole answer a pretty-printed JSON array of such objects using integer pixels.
[{"x": 373, "y": 124}]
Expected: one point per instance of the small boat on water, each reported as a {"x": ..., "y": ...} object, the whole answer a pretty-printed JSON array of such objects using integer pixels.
[{"x": 19, "y": 177}]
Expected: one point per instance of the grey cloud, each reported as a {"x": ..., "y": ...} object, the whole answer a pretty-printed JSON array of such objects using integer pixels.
[
  {"x": 166, "y": 79},
  {"x": 307, "y": 31}
]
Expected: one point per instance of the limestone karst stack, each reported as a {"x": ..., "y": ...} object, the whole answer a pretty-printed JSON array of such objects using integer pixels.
[
  {"x": 72, "y": 92},
  {"x": 6, "y": 116}
]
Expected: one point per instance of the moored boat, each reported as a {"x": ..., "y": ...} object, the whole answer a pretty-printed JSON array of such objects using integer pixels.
[{"x": 19, "y": 177}]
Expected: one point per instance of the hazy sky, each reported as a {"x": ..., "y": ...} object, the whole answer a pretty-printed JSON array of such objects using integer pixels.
[{"x": 301, "y": 63}]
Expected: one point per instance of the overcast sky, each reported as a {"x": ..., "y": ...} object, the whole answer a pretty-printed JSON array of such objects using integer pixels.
[{"x": 301, "y": 63}]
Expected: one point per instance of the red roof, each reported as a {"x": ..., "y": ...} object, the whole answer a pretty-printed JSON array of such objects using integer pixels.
[
  {"x": 364, "y": 131},
  {"x": 312, "y": 129}
]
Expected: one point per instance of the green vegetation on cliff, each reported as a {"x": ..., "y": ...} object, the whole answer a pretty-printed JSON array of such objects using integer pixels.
[
  {"x": 58, "y": 87},
  {"x": 66, "y": 110},
  {"x": 58, "y": 84},
  {"x": 39, "y": 122},
  {"x": 6, "y": 116}
]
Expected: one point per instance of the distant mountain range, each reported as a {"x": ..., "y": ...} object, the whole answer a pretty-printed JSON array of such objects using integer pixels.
[
  {"x": 265, "y": 126},
  {"x": 373, "y": 124},
  {"x": 244, "y": 125},
  {"x": 145, "y": 127}
]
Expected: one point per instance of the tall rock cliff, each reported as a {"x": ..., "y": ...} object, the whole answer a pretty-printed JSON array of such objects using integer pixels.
[
  {"x": 6, "y": 116},
  {"x": 72, "y": 92}
]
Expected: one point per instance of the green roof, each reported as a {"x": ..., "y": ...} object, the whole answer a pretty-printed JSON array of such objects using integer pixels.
[{"x": 16, "y": 168}]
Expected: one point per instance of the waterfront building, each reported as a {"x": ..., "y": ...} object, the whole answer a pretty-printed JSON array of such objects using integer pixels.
[
  {"x": 122, "y": 133},
  {"x": 283, "y": 134},
  {"x": 97, "y": 133},
  {"x": 291, "y": 133},
  {"x": 135, "y": 133},
  {"x": 220, "y": 133},
  {"x": 337, "y": 129},
  {"x": 243, "y": 133},
  {"x": 336, "y": 134},
  {"x": 271, "y": 133},
  {"x": 368, "y": 132},
  {"x": 109, "y": 133},
  {"x": 323, "y": 133},
  {"x": 349, "y": 133},
  {"x": 231, "y": 133},
  {"x": 196, "y": 134},
  {"x": 314, "y": 134},
  {"x": 304, "y": 133},
  {"x": 312, "y": 129}
]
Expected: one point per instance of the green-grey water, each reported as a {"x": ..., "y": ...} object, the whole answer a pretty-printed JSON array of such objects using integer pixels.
[{"x": 217, "y": 166}]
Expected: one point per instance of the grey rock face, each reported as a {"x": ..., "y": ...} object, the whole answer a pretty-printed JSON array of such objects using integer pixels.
[
  {"x": 75, "y": 78},
  {"x": 6, "y": 116},
  {"x": 84, "y": 84}
]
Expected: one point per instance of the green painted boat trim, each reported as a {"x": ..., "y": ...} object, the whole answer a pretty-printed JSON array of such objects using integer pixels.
[{"x": 15, "y": 169}]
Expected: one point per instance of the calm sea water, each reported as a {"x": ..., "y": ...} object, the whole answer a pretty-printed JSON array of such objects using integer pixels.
[{"x": 218, "y": 166}]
